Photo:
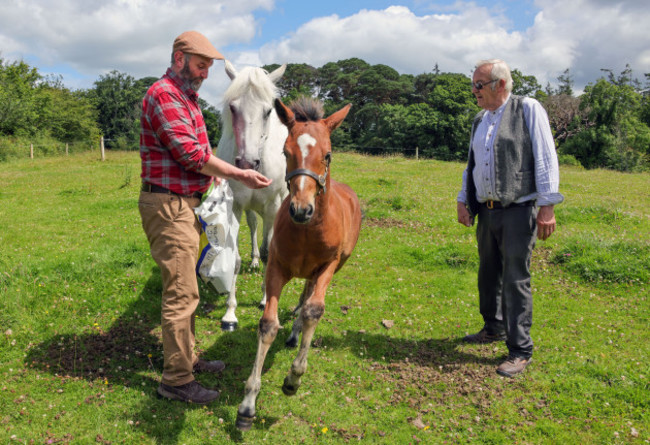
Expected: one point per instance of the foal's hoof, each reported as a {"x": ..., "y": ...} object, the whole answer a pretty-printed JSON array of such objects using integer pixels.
[
  {"x": 289, "y": 390},
  {"x": 228, "y": 326},
  {"x": 244, "y": 423},
  {"x": 292, "y": 342}
]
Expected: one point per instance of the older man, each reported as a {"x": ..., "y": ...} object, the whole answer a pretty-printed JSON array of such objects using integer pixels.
[
  {"x": 511, "y": 183},
  {"x": 177, "y": 168}
]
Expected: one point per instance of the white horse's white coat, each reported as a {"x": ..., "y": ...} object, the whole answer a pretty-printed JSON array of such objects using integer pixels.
[{"x": 254, "y": 136}]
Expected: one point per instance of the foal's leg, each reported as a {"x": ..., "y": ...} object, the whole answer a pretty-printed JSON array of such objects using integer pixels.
[
  {"x": 292, "y": 341},
  {"x": 266, "y": 333},
  {"x": 229, "y": 320},
  {"x": 310, "y": 315}
]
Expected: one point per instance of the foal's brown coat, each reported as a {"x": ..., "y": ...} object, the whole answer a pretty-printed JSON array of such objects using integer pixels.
[{"x": 315, "y": 232}]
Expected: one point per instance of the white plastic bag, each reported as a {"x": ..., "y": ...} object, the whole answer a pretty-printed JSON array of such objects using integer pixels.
[{"x": 217, "y": 254}]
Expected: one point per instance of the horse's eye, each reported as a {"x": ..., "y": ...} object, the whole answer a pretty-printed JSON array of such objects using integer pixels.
[
  {"x": 328, "y": 157},
  {"x": 268, "y": 113}
]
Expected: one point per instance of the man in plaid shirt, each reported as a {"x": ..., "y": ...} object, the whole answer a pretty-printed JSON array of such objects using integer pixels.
[{"x": 177, "y": 168}]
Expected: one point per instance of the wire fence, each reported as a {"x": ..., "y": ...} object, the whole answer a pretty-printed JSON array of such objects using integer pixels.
[{"x": 20, "y": 149}]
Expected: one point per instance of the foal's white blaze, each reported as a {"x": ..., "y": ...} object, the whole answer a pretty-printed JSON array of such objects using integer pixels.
[{"x": 305, "y": 141}]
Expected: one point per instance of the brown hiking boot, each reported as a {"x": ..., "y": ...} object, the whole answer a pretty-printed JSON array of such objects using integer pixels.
[
  {"x": 482, "y": 337},
  {"x": 513, "y": 366},
  {"x": 191, "y": 392},
  {"x": 209, "y": 366}
]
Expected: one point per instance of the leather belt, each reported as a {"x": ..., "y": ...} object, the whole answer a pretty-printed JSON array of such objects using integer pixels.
[
  {"x": 497, "y": 204},
  {"x": 152, "y": 188}
]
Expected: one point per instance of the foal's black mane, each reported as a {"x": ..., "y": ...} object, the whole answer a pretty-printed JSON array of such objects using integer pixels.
[{"x": 307, "y": 109}]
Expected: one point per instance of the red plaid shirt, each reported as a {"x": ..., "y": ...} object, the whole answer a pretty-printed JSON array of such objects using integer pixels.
[{"x": 174, "y": 142}]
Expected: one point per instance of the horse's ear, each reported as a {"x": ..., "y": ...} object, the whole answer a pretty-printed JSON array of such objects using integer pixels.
[
  {"x": 285, "y": 114},
  {"x": 230, "y": 70},
  {"x": 277, "y": 73},
  {"x": 335, "y": 119}
]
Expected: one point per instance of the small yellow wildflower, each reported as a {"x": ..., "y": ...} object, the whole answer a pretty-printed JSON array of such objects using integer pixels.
[{"x": 324, "y": 430}]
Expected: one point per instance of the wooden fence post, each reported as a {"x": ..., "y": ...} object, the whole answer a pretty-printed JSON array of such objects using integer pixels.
[
  {"x": 417, "y": 152},
  {"x": 31, "y": 151},
  {"x": 101, "y": 146},
  {"x": 66, "y": 149}
]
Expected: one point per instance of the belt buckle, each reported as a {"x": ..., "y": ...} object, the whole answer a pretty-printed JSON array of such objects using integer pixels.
[{"x": 489, "y": 204}]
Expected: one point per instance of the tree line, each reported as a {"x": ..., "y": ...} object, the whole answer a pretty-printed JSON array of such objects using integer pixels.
[{"x": 608, "y": 126}]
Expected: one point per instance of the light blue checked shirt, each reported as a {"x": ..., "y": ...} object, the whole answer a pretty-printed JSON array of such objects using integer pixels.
[{"x": 547, "y": 172}]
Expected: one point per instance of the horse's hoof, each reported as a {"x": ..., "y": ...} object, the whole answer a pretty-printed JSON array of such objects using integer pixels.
[
  {"x": 287, "y": 389},
  {"x": 244, "y": 423},
  {"x": 292, "y": 342},
  {"x": 228, "y": 326}
]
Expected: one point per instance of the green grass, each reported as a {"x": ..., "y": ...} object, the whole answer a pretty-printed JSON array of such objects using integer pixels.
[{"x": 80, "y": 350}]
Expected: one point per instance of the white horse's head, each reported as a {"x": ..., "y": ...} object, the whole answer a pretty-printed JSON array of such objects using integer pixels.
[{"x": 248, "y": 112}]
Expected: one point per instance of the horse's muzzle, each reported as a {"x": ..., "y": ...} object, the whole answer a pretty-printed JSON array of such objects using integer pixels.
[
  {"x": 245, "y": 165},
  {"x": 301, "y": 215}
]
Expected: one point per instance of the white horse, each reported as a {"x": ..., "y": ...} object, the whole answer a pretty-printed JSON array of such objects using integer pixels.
[{"x": 253, "y": 137}]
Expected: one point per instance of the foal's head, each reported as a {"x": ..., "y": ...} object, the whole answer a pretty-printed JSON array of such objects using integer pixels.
[{"x": 308, "y": 151}]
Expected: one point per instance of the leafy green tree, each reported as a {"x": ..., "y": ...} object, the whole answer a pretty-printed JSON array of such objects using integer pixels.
[
  {"x": 525, "y": 85},
  {"x": 117, "y": 98},
  {"x": 298, "y": 79},
  {"x": 455, "y": 105},
  {"x": 212, "y": 118},
  {"x": 423, "y": 85},
  {"x": 18, "y": 98},
  {"x": 618, "y": 139},
  {"x": 337, "y": 81},
  {"x": 69, "y": 117},
  {"x": 565, "y": 83}
]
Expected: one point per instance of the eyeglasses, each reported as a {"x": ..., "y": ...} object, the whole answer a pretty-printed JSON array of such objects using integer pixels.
[{"x": 479, "y": 85}]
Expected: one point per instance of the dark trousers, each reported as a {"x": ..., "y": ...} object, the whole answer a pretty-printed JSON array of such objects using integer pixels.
[{"x": 506, "y": 238}]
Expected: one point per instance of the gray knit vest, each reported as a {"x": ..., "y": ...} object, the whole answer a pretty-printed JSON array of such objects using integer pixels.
[{"x": 514, "y": 164}]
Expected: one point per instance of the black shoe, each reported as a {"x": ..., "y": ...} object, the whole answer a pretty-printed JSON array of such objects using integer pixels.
[
  {"x": 209, "y": 366},
  {"x": 482, "y": 337},
  {"x": 513, "y": 366},
  {"x": 191, "y": 392}
]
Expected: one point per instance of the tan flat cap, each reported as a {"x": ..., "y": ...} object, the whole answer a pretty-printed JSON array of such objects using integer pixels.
[{"x": 194, "y": 42}]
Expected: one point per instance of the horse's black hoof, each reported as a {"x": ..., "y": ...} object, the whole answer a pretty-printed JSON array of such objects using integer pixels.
[
  {"x": 291, "y": 342},
  {"x": 228, "y": 326},
  {"x": 244, "y": 423},
  {"x": 287, "y": 389}
]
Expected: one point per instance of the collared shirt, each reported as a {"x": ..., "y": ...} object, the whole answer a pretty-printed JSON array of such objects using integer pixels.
[
  {"x": 547, "y": 172},
  {"x": 174, "y": 143}
]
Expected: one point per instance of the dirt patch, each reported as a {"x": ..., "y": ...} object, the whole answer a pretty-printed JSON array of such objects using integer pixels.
[{"x": 391, "y": 223}]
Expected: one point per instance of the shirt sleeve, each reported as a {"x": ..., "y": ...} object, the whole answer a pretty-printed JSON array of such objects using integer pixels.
[
  {"x": 172, "y": 122},
  {"x": 547, "y": 171},
  {"x": 462, "y": 194}
]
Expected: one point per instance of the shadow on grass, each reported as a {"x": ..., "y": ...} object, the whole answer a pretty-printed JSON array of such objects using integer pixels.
[{"x": 129, "y": 355}]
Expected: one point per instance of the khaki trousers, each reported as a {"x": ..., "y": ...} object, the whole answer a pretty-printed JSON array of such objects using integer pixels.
[{"x": 173, "y": 233}]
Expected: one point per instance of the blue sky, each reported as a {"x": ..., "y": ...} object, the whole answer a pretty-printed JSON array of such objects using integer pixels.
[{"x": 84, "y": 39}]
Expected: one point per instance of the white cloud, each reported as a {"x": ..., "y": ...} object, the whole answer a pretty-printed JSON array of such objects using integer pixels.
[
  {"x": 582, "y": 35},
  {"x": 133, "y": 36},
  {"x": 94, "y": 37}
]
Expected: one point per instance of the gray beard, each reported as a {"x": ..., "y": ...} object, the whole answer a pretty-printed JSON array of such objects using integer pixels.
[{"x": 195, "y": 83}]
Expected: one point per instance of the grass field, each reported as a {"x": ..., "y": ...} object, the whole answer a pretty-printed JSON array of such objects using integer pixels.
[{"x": 80, "y": 350}]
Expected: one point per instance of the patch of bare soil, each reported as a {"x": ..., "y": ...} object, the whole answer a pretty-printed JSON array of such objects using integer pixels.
[
  {"x": 391, "y": 223},
  {"x": 435, "y": 374}
]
